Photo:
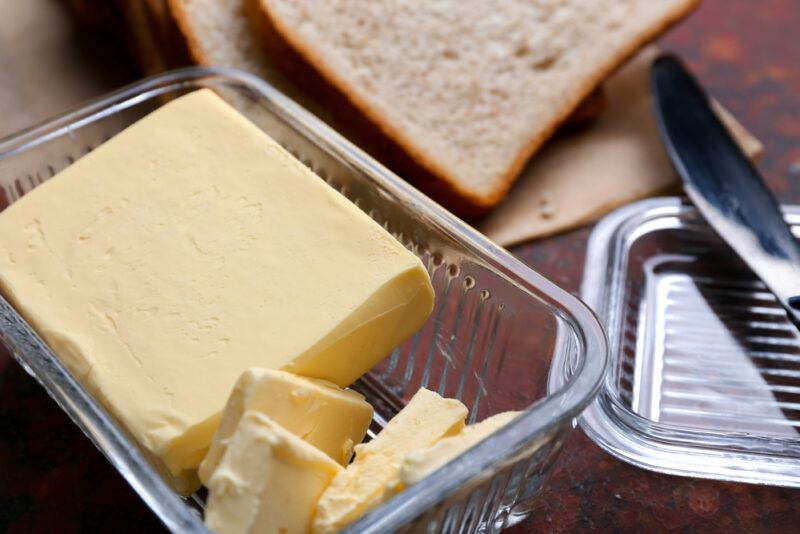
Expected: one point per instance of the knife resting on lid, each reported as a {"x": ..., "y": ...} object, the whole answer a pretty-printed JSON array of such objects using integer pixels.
[{"x": 723, "y": 183}]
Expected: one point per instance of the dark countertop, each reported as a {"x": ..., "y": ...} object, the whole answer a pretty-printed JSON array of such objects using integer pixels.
[
  {"x": 52, "y": 479},
  {"x": 745, "y": 55}
]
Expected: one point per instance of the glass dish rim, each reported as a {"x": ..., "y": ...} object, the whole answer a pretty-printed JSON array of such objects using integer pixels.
[
  {"x": 560, "y": 405},
  {"x": 631, "y": 437}
]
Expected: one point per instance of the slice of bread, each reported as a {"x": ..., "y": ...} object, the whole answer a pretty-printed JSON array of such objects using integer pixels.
[
  {"x": 169, "y": 40},
  {"x": 142, "y": 35},
  {"x": 218, "y": 32},
  {"x": 466, "y": 90}
]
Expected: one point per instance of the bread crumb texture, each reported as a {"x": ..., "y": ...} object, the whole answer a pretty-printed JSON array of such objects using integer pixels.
[{"x": 471, "y": 87}]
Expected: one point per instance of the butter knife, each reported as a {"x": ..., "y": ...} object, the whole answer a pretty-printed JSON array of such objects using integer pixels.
[{"x": 723, "y": 183}]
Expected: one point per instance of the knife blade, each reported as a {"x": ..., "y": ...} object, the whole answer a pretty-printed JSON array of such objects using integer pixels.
[{"x": 722, "y": 182}]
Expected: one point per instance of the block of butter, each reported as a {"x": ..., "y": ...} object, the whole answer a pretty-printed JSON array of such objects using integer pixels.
[
  {"x": 374, "y": 474},
  {"x": 268, "y": 480},
  {"x": 420, "y": 463},
  {"x": 330, "y": 418},
  {"x": 189, "y": 248}
]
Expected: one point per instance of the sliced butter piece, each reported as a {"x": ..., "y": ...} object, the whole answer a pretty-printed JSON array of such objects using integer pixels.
[
  {"x": 420, "y": 463},
  {"x": 268, "y": 480},
  {"x": 374, "y": 474},
  {"x": 330, "y": 418},
  {"x": 189, "y": 248}
]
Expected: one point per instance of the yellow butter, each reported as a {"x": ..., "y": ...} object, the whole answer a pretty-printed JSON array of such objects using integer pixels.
[
  {"x": 268, "y": 480},
  {"x": 420, "y": 463},
  {"x": 330, "y": 418},
  {"x": 374, "y": 474},
  {"x": 189, "y": 248}
]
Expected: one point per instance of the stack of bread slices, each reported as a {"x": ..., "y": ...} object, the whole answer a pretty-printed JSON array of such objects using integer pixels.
[{"x": 453, "y": 95}]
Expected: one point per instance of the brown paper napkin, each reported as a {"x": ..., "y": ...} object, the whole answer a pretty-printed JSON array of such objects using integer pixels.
[{"x": 582, "y": 175}]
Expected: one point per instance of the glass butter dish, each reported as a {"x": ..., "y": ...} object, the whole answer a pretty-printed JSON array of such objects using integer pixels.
[
  {"x": 498, "y": 329},
  {"x": 704, "y": 376}
]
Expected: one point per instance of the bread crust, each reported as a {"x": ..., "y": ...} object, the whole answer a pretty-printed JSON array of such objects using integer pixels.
[
  {"x": 140, "y": 28},
  {"x": 178, "y": 12},
  {"x": 346, "y": 117},
  {"x": 169, "y": 38},
  {"x": 427, "y": 174}
]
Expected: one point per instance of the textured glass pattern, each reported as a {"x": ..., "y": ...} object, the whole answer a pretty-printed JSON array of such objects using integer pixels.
[{"x": 705, "y": 365}]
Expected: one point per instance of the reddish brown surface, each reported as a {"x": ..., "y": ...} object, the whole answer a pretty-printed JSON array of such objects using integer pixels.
[
  {"x": 53, "y": 480},
  {"x": 746, "y": 54}
]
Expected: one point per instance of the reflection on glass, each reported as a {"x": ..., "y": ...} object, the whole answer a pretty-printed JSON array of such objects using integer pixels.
[{"x": 717, "y": 353}]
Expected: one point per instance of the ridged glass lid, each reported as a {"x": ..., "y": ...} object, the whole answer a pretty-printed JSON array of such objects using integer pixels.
[{"x": 705, "y": 366}]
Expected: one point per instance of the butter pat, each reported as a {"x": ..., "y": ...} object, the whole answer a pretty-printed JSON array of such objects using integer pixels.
[
  {"x": 374, "y": 474},
  {"x": 422, "y": 462},
  {"x": 330, "y": 418},
  {"x": 268, "y": 480},
  {"x": 189, "y": 248}
]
